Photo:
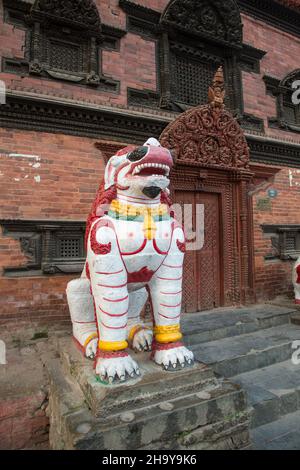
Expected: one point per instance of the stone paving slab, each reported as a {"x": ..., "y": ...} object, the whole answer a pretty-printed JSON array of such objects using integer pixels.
[
  {"x": 232, "y": 356},
  {"x": 272, "y": 391},
  {"x": 227, "y": 322},
  {"x": 283, "y": 434}
]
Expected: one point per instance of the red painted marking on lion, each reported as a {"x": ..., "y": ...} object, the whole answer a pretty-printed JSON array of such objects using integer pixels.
[
  {"x": 114, "y": 327},
  {"x": 112, "y": 287},
  {"x": 111, "y": 354},
  {"x": 143, "y": 275},
  {"x": 137, "y": 251},
  {"x": 113, "y": 314},
  {"x": 159, "y": 251},
  {"x": 169, "y": 318},
  {"x": 107, "y": 274},
  {"x": 181, "y": 246},
  {"x": 116, "y": 300},
  {"x": 171, "y": 293},
  {"x": 100, "y": 248},
  {"x": 171, "y": 306},
  {"x": 170, "y": 279},
  {"x": 298, "y": 273}
]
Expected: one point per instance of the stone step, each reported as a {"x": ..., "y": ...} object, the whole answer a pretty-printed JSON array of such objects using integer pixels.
[
  {"x": 236, "y": 355},
  {"x": 272, "y": 391},
  {"x": 228, "y": 322},
  {"x": 191, "y": 418},
  {"x": 283, "y": 434},
  {"x": 156, "y": 384}
]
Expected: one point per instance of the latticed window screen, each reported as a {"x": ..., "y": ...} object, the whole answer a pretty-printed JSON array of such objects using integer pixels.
[
  {"x": 64, "y": 56},
  {"x": 70, "y": 248},
  {"x": 290, "y": 244},
  {"x": 190, "y": 79}
]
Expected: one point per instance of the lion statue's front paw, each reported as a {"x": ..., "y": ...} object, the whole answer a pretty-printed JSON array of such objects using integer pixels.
[
  {"x": 174, "y": 359},
  {"x": 114, "y": 369}
]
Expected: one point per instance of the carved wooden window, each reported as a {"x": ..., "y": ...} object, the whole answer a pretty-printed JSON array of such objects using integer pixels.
[
  {"x": 285, "y": 241},
  {"x": 64, "y": 40},
  {"x": 288, "y": 113},
  {"x": 196, "y": 40},
  {"x": 191, "y": 78},
  {"x": 50, "y": 246}
]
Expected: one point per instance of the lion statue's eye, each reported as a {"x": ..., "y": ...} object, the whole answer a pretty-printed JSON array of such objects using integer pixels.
[{"x": 138, "y": 154}]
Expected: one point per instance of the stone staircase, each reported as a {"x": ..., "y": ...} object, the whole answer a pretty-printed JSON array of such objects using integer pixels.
[
  {"x": 188, "y": 410},
  {"x": 253, "y": 348}
]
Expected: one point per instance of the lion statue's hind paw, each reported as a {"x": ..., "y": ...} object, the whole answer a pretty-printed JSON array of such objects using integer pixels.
[{"x": 142, "y": 340}]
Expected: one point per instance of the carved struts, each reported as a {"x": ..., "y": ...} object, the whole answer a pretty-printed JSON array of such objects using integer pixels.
[
  {"x": 82, "y": 315},
  {"x": 166, "y": 297}
]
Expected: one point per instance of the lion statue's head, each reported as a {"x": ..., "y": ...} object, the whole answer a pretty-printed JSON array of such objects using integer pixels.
[
  {"x": 143, "y": 171},
  {"x": 134, "y": 171}
]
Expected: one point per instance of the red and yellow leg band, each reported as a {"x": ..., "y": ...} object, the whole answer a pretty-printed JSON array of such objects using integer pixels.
[
  {"x": 112, "y": 345},
  {"x": 167, "y": 334}
]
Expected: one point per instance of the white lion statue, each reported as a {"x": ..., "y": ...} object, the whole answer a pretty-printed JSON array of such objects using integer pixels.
[{"x": 135, "y": 250}]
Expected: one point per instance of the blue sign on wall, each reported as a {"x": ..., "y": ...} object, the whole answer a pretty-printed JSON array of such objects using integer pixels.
[{"x": 272, "y": 193}]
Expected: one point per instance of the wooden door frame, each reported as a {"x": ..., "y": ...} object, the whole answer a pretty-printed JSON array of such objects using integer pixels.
[{"x": 237, "y": 282}]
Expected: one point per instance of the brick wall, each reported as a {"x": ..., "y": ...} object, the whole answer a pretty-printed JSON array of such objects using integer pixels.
[
  {"x": 274, "y": 277},
  {"x": 283, "y": 52},
  {"x": 59, "y": 184}
]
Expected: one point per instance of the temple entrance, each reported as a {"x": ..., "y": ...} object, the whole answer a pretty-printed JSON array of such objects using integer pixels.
[
  {"x": 202, "y": 285},
  {"x": 212, "y": 171}
]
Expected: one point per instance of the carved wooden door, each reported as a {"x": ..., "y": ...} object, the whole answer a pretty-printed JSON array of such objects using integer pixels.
[{"x": 202, "y": 267}]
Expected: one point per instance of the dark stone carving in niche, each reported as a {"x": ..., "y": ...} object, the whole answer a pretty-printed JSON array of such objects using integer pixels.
[
  {"x": 288, "y": 114},
  {"x": 83, "y": 13},
  {"x": 285, "y": 241},
  {"x": 218, "y": 20},
  {"x": 63, "y": 41},
  {"x": 52, "y": 247}
]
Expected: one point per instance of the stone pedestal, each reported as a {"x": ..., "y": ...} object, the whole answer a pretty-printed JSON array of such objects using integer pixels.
[{"x": 191, "y": 409}]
